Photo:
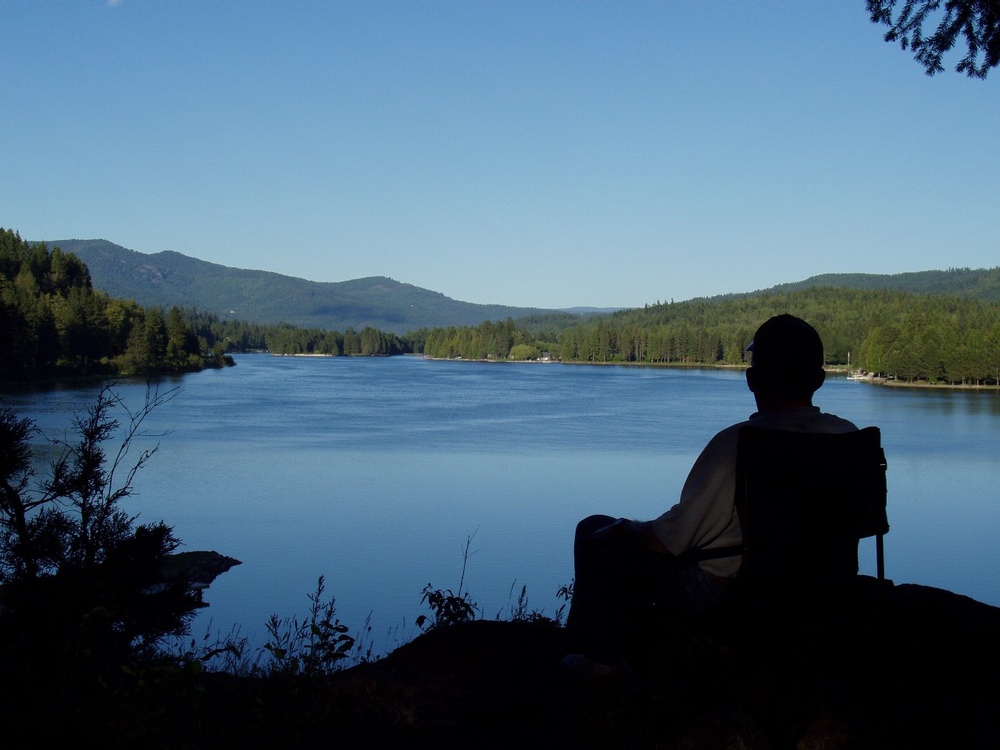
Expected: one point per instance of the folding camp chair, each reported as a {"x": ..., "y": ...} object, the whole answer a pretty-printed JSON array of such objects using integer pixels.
[{"x": 804, "y": 502}]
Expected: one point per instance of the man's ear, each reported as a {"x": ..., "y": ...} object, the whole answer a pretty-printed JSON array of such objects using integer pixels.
[{"x": 751, "y": 379}]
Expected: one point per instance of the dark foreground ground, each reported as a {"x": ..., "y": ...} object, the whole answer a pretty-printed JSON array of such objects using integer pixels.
[{"x": 923, "y": 671}]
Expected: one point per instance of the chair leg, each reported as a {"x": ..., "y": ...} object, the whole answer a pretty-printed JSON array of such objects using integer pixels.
[{"x": 879, "y": 557}]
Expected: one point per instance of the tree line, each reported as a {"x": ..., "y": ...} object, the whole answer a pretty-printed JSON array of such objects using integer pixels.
[
  {"x": 892, "y": 334},
  {"x": 54, "y": 323},
  {"x": 489, "y": 340},
  {"x": 284, "y": 338}
]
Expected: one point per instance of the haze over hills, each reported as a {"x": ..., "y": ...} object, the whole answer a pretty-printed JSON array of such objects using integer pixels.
[
  {"x": 982, "y": 284},
  {"x": 169, "y": 278}
]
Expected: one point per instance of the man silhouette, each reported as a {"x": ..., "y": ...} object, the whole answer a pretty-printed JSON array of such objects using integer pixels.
[{"x": 686, "y": 559}]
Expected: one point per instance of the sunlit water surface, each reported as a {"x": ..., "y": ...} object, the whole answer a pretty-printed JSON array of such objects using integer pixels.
[{"x": 376, "y": 473}]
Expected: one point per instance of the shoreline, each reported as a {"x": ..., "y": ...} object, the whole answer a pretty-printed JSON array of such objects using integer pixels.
[
  {"x": 55, "y": 382},
  {"x": 833, "y": 369}
]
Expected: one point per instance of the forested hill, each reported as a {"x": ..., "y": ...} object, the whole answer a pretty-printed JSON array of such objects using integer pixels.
[
  {"x": 982, "y": 283},
  {"x": 53, "y": 323},
  {"x": 168, "y": 278}
]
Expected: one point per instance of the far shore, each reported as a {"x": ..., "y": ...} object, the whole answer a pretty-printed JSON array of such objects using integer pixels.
[{"x": 834, "y": 369}]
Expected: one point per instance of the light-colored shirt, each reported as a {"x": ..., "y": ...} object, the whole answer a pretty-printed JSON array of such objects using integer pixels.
[{"x": 705, "y": 516}]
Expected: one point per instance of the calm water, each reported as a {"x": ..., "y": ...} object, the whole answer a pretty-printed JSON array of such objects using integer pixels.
[{"x": 375, "y": 472}]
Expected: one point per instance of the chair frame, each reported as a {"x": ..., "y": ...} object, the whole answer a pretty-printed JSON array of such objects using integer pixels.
[{"x": 828, "y": 491}]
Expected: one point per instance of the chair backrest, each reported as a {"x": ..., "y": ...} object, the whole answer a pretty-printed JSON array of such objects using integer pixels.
[{"x": 804, "y": 501}]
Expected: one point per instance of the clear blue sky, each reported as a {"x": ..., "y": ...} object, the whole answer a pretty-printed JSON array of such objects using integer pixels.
[{"x": 544, "y": 154}]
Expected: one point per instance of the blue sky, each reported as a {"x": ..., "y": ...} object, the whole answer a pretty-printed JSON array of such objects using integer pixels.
[{"x": 545, "y": 154}]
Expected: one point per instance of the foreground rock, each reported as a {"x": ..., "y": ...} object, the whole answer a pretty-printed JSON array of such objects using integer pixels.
[
  {"x": 924, "y": 674},
  {"x": 198, "y": 569}
]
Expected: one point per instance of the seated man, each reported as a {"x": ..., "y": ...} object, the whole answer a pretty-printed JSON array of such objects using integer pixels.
[{"x": 685, "y": 560}]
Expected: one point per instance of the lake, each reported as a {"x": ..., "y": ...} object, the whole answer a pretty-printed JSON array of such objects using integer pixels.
[{"x": 376, "y": 473}]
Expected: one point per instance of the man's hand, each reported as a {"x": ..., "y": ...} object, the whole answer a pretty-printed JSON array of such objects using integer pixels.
[
  {"x": 617, "y": 529},
  {"x": 626, "y": 532}
]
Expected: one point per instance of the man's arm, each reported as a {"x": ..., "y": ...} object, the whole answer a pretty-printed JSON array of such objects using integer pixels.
[{"x": 639, "y": 533}]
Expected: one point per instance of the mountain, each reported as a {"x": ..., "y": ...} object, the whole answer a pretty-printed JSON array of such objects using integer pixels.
[
  {"x": 982, "y": 284},
  {"x": 169, "y": 278}
]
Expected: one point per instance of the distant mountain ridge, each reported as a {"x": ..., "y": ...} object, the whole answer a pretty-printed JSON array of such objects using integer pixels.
[
  {"x": 169, "y": 278},
  {"x": 982, "y": 284}
]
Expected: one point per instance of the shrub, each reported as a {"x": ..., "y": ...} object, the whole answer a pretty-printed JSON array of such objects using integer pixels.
[{"x": 83, "y": 595}]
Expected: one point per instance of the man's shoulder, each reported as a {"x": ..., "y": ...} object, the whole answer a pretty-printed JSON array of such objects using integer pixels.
[
  {"x": 809, "y": 419},
  {"x": 832, "y": 423},
  {"x": 724, "y": 441},
  {"x": 790, "y": 420},
  {"x": 842, "y": 425}
]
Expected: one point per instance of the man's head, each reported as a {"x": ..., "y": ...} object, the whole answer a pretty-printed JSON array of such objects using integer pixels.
[{"x": 787, "y": 361}]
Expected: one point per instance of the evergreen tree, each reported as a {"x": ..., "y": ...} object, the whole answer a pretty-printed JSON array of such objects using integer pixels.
[
  {"x": 977, "y": 22},
  {"x": 83, "y": 587},
  {"x": 53, "y": 322}
]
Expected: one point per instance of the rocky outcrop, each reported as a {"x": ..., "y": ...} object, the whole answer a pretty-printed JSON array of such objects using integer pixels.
[
  {"x": 918, "y": 671},
  {"x": 197, "y": 569}
]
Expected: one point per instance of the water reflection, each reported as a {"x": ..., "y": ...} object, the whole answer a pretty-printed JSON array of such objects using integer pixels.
[{"x": 375, "y": 472}]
